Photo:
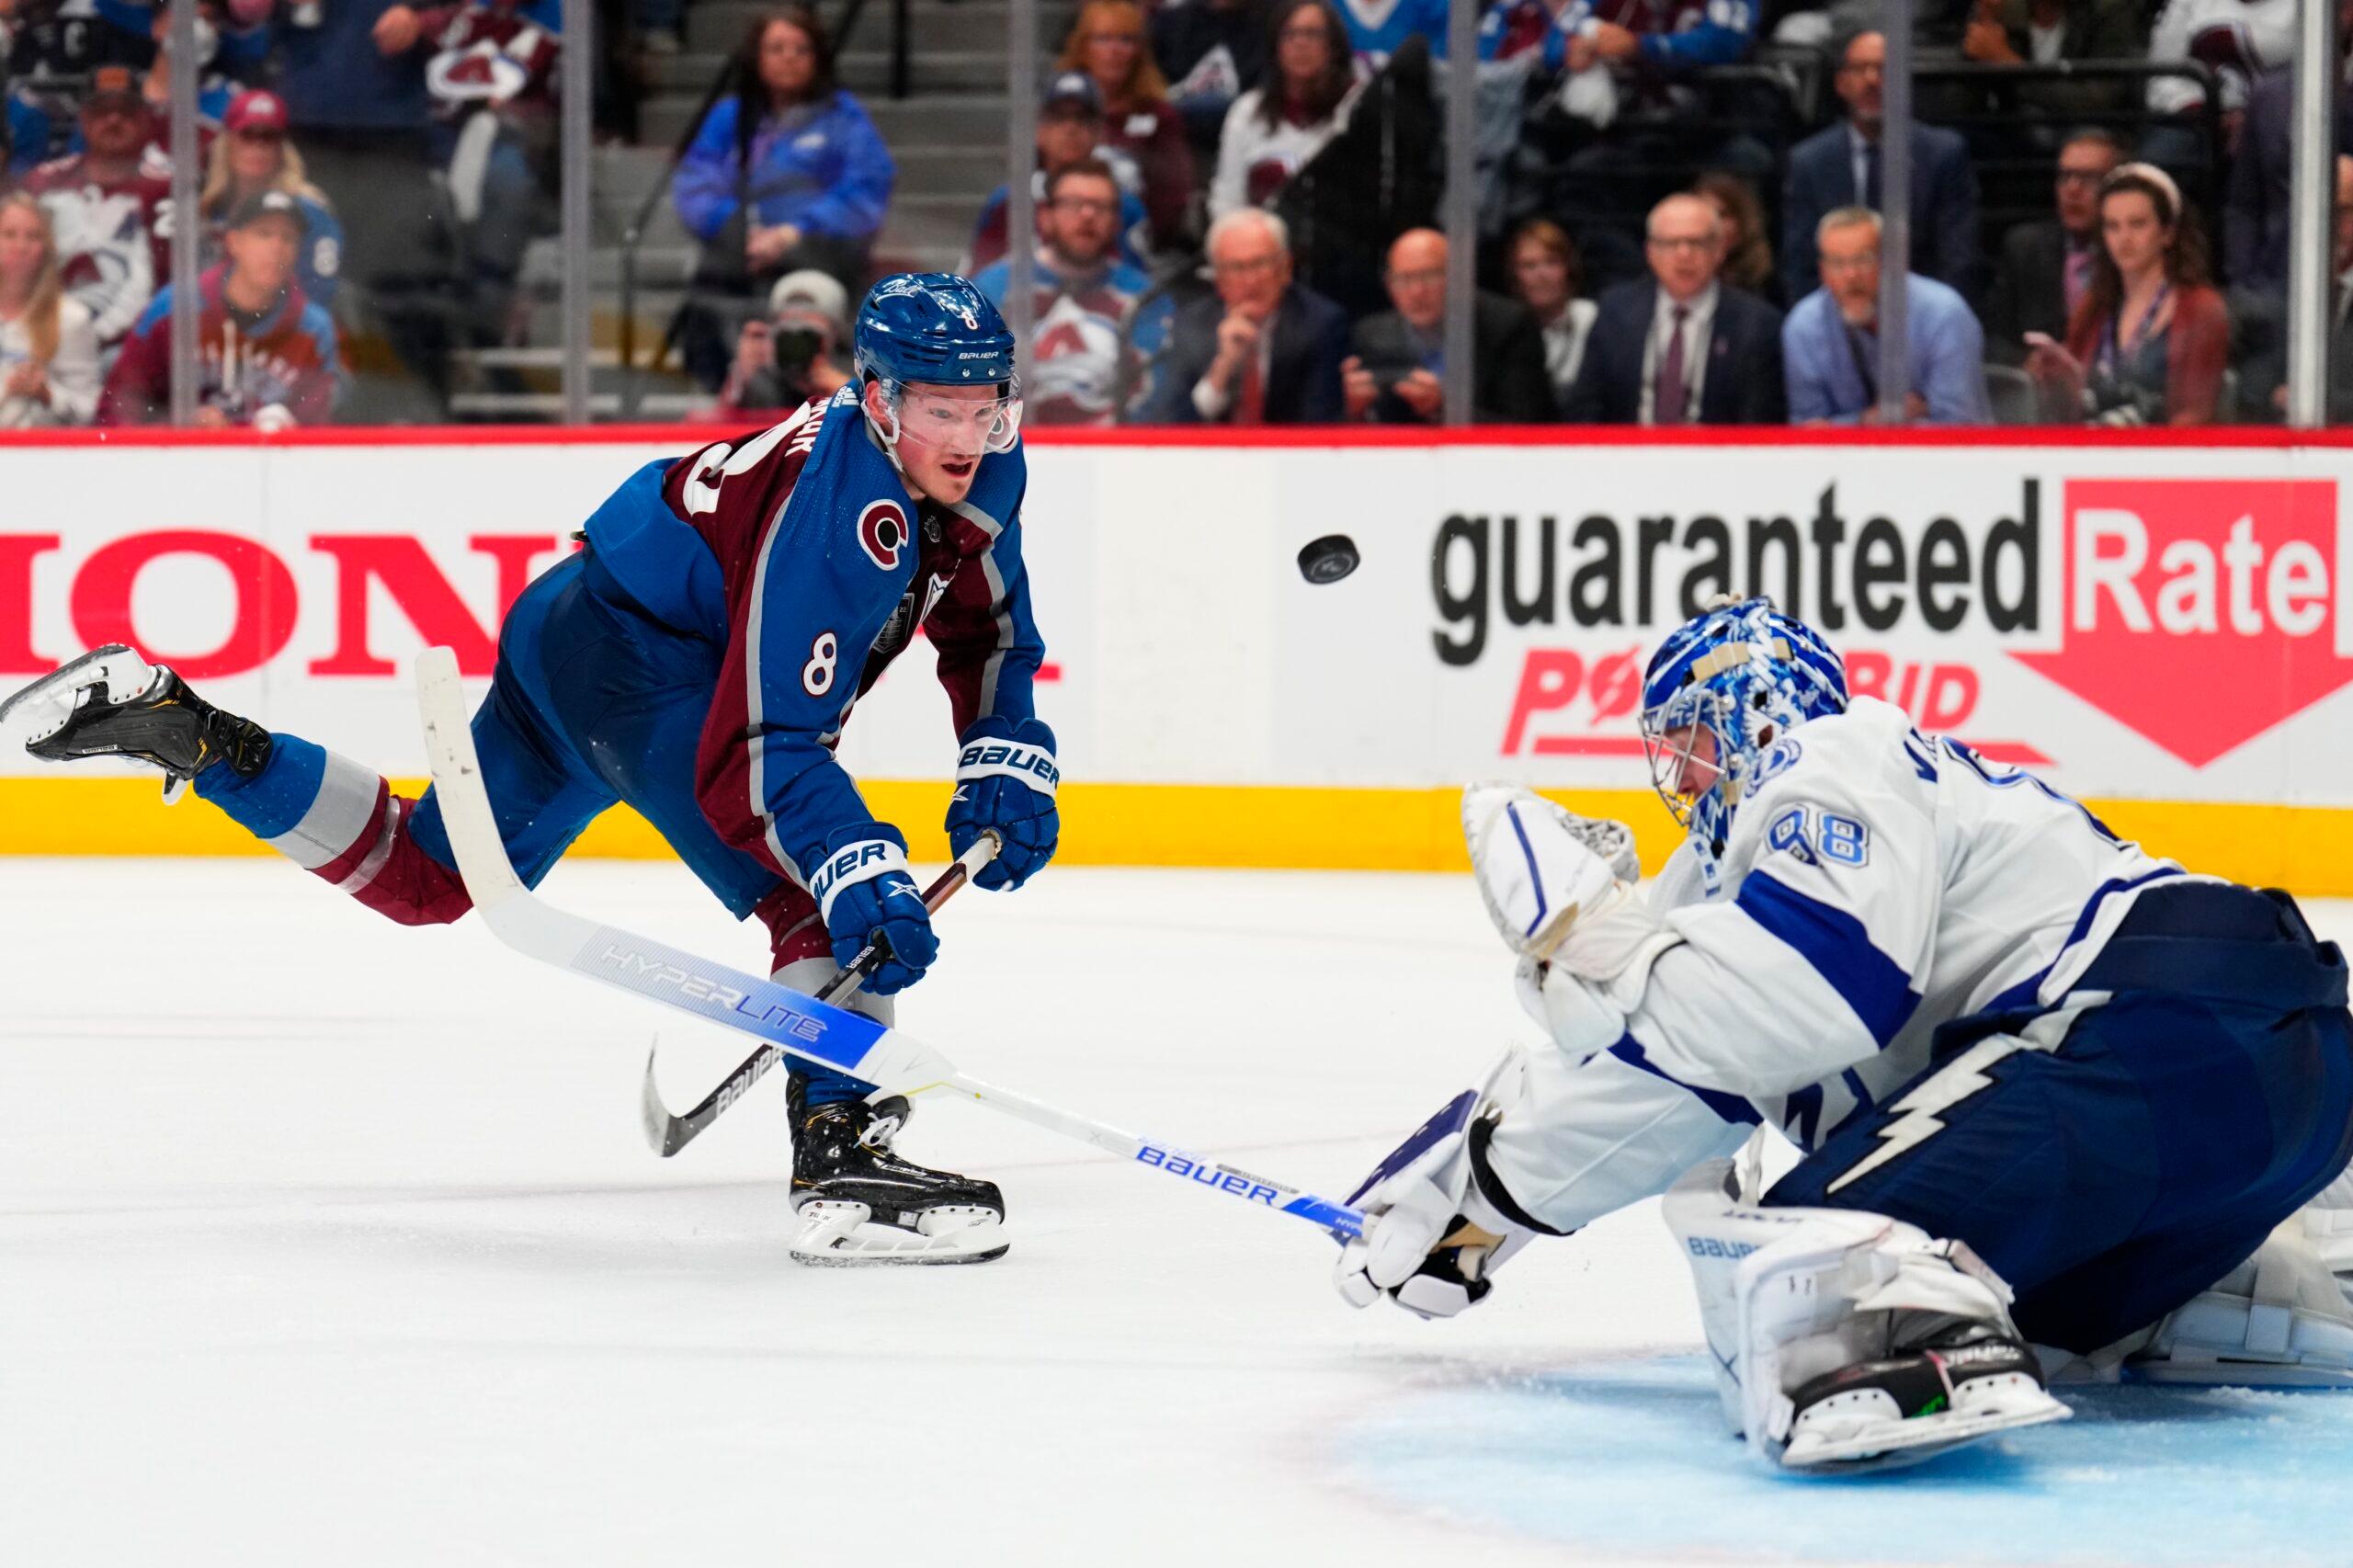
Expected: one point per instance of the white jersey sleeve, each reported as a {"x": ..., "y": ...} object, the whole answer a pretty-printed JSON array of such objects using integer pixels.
[
  {"x": 1806, "y": 964},
  {"x": 1590, "y": 1135}
]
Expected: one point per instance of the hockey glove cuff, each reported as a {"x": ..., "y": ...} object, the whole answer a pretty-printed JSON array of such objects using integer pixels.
[
  {"x": 1005, "y": 780},
  {"x": 1432, "y": 1238},
  {"x": 864, "y": 893}
]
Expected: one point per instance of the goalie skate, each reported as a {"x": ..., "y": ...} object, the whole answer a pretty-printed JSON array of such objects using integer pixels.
[
  {"x": 1965, "y": 1384},
  {"x": 860, "y": 1203}
]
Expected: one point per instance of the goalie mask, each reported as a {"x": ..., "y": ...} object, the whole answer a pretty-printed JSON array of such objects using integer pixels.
[{"x": 1743, "y": 675}]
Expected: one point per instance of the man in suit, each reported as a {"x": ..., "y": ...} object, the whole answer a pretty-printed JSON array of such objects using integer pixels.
[
  {"x": 1840, "y": 167},
  {"x": 1264, "y": 350},
  {"x": 1830, "y": 343},
  {"x": 1682, "y": 347},
  {"x": 2046, "y": 266},
  {"x": 1397, "y": 374}
]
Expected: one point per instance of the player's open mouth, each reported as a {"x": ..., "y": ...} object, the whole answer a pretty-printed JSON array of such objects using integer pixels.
[{"x": 959, "y": 467}]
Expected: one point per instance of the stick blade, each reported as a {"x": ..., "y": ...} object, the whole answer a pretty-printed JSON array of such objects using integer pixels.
[{"x": 661, "y": 1127}]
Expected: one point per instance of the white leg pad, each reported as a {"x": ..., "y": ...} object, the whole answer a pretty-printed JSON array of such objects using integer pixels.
[
  {"x": 2279, "y": 1320},
  {"x": 1788, "y": 1294},
  {"x": 2328, "y": 1221}
]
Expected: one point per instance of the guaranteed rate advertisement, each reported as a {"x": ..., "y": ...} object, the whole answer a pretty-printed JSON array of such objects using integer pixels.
[{"x": 2137, "y": 622}]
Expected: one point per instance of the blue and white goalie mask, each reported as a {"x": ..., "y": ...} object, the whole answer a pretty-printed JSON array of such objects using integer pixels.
[{"x": 1720, "y": 692}]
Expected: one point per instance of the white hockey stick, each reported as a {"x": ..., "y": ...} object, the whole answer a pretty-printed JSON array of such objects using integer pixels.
[{"x": 801, "y": 1026}]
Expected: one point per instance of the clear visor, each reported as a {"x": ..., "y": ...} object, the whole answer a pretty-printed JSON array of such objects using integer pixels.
[{"x": 945, "y": 423}]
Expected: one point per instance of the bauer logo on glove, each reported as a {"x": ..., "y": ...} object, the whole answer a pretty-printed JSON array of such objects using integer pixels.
[{"x": 1006, "y": 780}]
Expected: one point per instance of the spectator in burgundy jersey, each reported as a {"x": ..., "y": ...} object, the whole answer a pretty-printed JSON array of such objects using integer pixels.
[
  {"x": 266, "y": 355},
  {"x": 1107, "y": 43},
  {"x": 106, "y": 210},
  {"x": 1272, "y": 131},
  {"x": 49, "y": 355},
  {"x": 253, "y": 154}
]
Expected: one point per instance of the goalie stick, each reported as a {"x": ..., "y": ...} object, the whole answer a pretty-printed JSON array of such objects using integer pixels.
[
  {"x": 668, "y": 1133},
  {"x": 798, "y": 1025}
]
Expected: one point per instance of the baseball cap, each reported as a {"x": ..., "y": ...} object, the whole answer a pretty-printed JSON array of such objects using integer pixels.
[
  {"x": 114, "y": 82},
  {"x": 1073, "y": 88},
  {"x": 813, "y": 297},
  {"x": 268, "y": 204},
  {"x": 256, "y": 108}
]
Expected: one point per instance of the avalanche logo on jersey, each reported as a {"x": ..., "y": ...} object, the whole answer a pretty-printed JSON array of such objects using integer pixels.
[{"x": 882, "y": 534}]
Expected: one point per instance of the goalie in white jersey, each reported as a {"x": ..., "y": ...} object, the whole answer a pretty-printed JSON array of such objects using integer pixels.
[{"x": 2054, "y": 1091}]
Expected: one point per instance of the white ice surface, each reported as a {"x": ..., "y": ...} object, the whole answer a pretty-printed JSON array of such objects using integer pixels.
[{"x": 326, "y": 1242}]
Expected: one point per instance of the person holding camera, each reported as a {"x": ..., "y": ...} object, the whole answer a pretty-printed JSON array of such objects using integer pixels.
[
  {"x": 1397, "y": 374},
  {"x": 793, "y": 353}
]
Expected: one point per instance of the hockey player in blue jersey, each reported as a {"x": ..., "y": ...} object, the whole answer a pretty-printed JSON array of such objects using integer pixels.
[
  {"x": 697, "y": 659},
  {"x": 2066, "y": 1110}
]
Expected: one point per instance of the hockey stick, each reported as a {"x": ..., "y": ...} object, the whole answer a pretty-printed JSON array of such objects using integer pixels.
[
  {"x": 668, "y": 1133},
  {"x": 799, "y": 1026}
]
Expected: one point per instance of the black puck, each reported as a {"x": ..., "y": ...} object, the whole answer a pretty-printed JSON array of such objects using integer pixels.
[{"x": 1329, "y": 559}]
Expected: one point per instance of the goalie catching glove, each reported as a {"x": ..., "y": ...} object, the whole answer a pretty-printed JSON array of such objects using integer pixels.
[
  {"x": 1435, "y": 1231},
  {"x": 1005, "y": 780}
]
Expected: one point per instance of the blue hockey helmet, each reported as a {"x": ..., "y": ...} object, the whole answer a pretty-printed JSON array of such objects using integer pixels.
[
  {"x": 935, "y": 329},
  {"x": 1747, "y": 675}
]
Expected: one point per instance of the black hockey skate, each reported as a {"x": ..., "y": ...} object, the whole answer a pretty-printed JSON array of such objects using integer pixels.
[
  {"x": 1956, "y": 1383},
  {"x": 860, "y": 1203},
  {"x": 111, "y": 702}
]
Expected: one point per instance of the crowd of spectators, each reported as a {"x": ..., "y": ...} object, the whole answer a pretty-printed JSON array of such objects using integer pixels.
[
  {"x": 1683, "y": 223},
  {"x": 400, "y": 156},
  {"x": 1237, "y": 209}
]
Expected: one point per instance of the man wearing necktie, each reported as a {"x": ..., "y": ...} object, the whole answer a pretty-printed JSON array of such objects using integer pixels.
[
  {"x": 1681, "y": 346},
  {"x": 1841, "y": 168}
]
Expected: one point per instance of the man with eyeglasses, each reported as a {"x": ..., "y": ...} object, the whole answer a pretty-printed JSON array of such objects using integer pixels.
[
  {"x": 1397, "y": 375},
  {"x": 1841, "y": 166},
  {"x": 1681, "y": 346},
  {"x": 1070, "y": 127},
  {"x": 2047, "y": 266},
  {"x": 106, "y": 209},
  {"x": 1830, "y": 343},
  {"x": 1084, "y": 359},
  {"x": 1262, "y": 349}
]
